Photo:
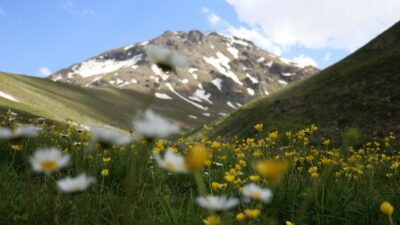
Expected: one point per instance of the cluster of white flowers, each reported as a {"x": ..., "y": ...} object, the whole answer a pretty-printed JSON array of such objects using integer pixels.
[
  {"x": 49, "y": 160},
  {"x": 219, "y": 203}
]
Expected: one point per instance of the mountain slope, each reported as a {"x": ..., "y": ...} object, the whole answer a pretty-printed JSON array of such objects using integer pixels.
[
  {"x": 59, "y": 101},
  {"x": 362, "y": 90},
  {"x": 222, "y": 73}
]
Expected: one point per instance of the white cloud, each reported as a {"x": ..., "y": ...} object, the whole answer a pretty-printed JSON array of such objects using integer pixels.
[
  {"x": 327, "y": 56},
  {"x": 304, "y": 61},
  {"x": 253, "y": 34},
  {"x": 339, "y": 24},
  {"x": 69, "y": 6},
  {"x": 213, "y": 18},
  {"x": 44, "y": 71},
  {"x": 88, "y": 12}
]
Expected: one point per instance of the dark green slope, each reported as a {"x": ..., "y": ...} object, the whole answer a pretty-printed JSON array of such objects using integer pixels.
[{"x": 362, "y": 90}]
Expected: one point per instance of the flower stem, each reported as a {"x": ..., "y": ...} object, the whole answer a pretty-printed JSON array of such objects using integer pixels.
[
  {"x": 391, "y": 220},
  {"x": 201, "y": 186}
]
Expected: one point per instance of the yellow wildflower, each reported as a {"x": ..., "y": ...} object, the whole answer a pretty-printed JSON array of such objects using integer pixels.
[
  {"x": 257, "y": 153},
  {"x": 254, "y": 178},
  {"x": 258, "y": 127},
  {"x": 16, "y": 147},
  {"x": 272, "y": 169},
  {"x": 216, "y": 145},
  {"x": 104, "y": 172},
  {"x": 230, "y": 178},
  {"x": 197, "y": 157},
  {"x": 387, "y": 208},
  {"x": 240, "y": 217},
  {"x": 273, "y": 136},
  {"x": 212, "y": 220},
  {"x": 106, "y": 159},
  {"x": 252, "y": 213}
]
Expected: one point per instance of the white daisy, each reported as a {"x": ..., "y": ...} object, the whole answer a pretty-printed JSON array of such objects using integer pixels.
[
  {"x": 152, "y": 125},
  {"x": 19, "y": 132},
  {"x": 257, "y": 193},
  {"x": 172, "y": 162},
  {"x": 108, "y": 137},
  {"x": 217, "y": 203},
  {"x": 26, "y": 131},
  {"x": 48, "y": 160},
  {"x": 5, "y": 133},
  {"x": 79, "y": 183}
]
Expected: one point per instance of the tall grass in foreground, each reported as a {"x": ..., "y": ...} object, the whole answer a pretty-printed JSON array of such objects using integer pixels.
[{"x": 272, "y": 178}]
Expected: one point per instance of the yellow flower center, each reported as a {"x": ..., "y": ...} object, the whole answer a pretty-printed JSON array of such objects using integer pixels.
[
  {"x": 256, "y": 195},
  {"x": 170, "y": 166},
  {"x": 49, "y": 165}
]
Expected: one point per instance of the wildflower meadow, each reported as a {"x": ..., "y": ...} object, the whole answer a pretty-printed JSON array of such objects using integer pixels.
[{"x": 69, "y": 173}]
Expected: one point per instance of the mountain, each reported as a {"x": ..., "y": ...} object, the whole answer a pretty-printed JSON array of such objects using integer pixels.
[
  {"x": 361, "y": 91},
  {"x": 222, "y": 73}
]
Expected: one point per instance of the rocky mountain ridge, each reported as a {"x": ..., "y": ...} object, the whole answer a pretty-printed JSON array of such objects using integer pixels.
[{"x": 222, "y": 74}]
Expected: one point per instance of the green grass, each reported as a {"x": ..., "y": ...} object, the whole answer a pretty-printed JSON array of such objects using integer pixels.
[
  {"x": 115, "y": 107},
  {"x": 360, "y": 91},
  {"x": 137, "y": 191}
]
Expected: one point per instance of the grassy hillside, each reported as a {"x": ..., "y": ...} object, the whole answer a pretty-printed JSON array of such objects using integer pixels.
[
  {"x": 362, "y": 91},
  {"x": 59, "y": 101}
]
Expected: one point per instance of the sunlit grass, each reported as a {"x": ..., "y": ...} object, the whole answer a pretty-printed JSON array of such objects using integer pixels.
[{"x": 282, "y": 177}]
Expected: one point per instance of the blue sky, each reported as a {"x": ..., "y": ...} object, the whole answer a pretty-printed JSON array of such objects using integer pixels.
[{"x": 38, "y": 37}]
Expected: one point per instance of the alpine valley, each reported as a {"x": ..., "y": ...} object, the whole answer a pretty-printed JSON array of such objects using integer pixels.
[{"x": 220, "y": 74}]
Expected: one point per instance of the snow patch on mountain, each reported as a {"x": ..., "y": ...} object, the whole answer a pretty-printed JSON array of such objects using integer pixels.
[
  {"x": 253, "y": 79},
  {"x": 193, "y": 72},
  {"x": 193, "y": 116},
  {"x": 221, "y": 63},
  {"x": 137, "y": 58},
  {"x": 158, "y": 71},
  {"x": 250, "y": 91},
  {"x": 156, "y": 79},
  {"x": 144, "y": 43},
  {"x": 56, "y": 78},
  {"x": 184, "y": 81},
  {"x": 260, "y": 60},
  {"x": 284, "y": 83},
  {"x": 128, "y": 47},
  {"x": 199, "y": 95},
  {"x": 288, "y": 74},
  {"x": 185, "y": 99},
  {"x": 231, "y": 105},
  {"x": 162, "y": 96},
  {"x": 233, "y": 51},
  {"x": 93, "y": 67},
  {"x": 218, "y": 83}
]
